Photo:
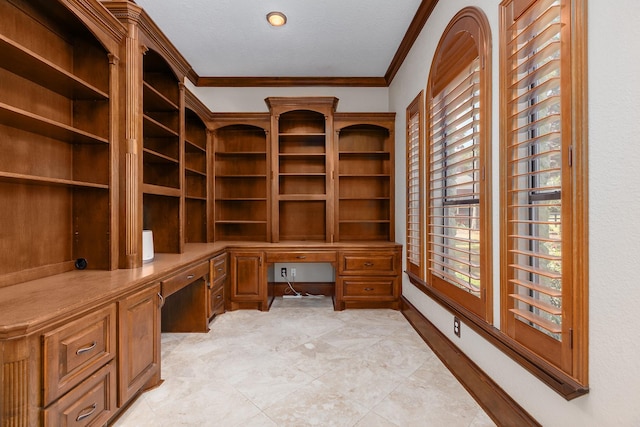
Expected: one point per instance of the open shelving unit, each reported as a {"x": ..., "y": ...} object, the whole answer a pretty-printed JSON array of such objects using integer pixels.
[
  {"x": 364, "y": 185},
  {"x": 241, "y": 164},
  {"x": 55, "y": 142},
  {"x": 162, "y": 154},
  {"x": 302, "y": 190},
  {"x": 195, "y": 178}
]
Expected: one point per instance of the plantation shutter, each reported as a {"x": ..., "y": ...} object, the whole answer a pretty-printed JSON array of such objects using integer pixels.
[
  {"x": 414, "y": 229},
  {"x": 536, "y": 182},
  {"x": 454, "y": 182}
]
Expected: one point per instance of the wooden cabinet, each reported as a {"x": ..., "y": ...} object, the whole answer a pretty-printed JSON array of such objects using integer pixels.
[
  {"x": 242, "y": 170},
  {"x": 369, "y": 278},
  {"x": 302, "y": 187},
  {"x": 364, "y": 207},
  {"x": 217, "y": 285},
  {"x": 248, "y": 285},
  {"x": 58, "y": 89},
  {"x": 139, "y": 342},
  {"x": 185, "y": 296}
]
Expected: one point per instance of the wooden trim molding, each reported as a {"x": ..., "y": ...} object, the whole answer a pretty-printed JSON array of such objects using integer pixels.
[
  {"x": 553, "y": 377},
  {"x": 496, "y": 402},
  {"x": 419, "y": 19},
  {"x": 289, "y": 81}
]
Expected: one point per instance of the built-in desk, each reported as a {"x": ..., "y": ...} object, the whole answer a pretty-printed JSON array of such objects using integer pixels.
[
  {"x": 68, "y": 338},
  {"x": 367, "y": 275}
]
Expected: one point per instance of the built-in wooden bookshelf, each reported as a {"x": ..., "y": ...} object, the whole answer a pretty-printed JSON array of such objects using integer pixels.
[
  {"x": 242, "y": 170},
  {"x": 196, "y": 169},
  {"x": 162, "y": 154},
  {"x": 302, "y": 190},
  {"x": 58, "y": 85},
  {"x": 364, "y": 185}
]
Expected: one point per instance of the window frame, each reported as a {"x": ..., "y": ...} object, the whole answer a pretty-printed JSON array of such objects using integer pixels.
[
  {"x": 568, "y": 359},
  {"x": 415, "y": 109},
  {"x": 445, "y": 68}
]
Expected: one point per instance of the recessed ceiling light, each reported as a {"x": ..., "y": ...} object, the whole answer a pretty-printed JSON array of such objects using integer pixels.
[{"x": 277, "y": 19}]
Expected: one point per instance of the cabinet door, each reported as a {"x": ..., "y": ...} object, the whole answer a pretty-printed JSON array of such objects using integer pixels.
[
  {"x": 139, "y": 342},
  {"x": 248, "y": 282}
]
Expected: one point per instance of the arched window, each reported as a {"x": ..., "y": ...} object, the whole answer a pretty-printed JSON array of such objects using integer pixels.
[{"x": 458, "y": 172}]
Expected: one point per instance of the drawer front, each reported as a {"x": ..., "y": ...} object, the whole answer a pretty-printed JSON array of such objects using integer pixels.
[
  {"x": 182, "y": 279},
  {"x": 77, "y": 349},
  {"x": 301, "y": 256},
  {"x": 92, "y": 402},
  {"x": 216, "y": 300},
  {"x": 219, "y": 267},
  {"x": 367, "y": 288},
  {"x": 369, "y": 263}
]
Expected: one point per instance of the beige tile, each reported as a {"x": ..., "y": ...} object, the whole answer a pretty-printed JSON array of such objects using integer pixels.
[
  {"x": 303, "y": 364},
  {"x": 315, "y": 405}
]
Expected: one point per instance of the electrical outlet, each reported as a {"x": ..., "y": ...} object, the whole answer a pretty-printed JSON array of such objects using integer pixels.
[
  {"x": 293, "y": 272},
  {"x": 283, "y": 272},
  {"x": 456, "y": 326}
]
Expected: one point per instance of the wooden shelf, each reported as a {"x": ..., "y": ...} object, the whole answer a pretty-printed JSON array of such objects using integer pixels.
[
  {"x": 195, "y": 172},
  {"x": 153, "y": 128},
  {"x": 241, "y": 153},
  {"x": 15, "y": 117},
  {"x": 156, "y": 101},
  {"x": 155, "y": 157},
  {"x": 41, "y": 180},
  {"x": 302, "y": 134},
  {"x": 161, "y": 191},
  {"x": 32, "y": 66}
]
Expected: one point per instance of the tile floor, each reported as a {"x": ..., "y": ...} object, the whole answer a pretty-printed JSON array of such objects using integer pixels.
[{"x": 303, "y": 364}]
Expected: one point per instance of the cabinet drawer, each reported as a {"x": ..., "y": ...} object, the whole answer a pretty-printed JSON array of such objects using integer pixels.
[
  {"x": 180, "y": 280},
  {"x": 368, "y": 288},
  {"x": 369, "y": 263},
  {"x": 76, "y": 350},
  {"x": 218, "y": 267},
  {"x": 301, "y": 256},
  {"x": 92, "y": 402},
  {"x": 216, "y": 299}
]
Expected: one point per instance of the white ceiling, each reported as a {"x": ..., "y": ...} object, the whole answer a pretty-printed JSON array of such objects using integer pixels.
[{"x": 322, "y": 38}]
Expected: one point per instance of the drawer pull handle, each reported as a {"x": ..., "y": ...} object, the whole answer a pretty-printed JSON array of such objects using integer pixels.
[
  {"x": 368, "y": 264},
  {"x": 161, "y": 299},
  {"x": 220, "y": 270},
  {"x": 219, "y": 296},
  {"x": 87, "y": 412},
  {"x": 368, "y": 289},
  {"x": 301, "y": 257},
  {"x": 191, "y": 276},
  {"x": 86, "y": 349}
]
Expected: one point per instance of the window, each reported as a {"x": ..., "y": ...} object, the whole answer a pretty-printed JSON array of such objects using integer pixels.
[
  {"x": 544, "y": 217},
  {"x": 415, "y": 227},
  {"x": 458, "y": 193}
]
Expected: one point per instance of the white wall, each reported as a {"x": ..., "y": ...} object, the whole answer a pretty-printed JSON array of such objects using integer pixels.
[
  {"x": 251, "y": 99},
  {"x": 614, "y": 212}
]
